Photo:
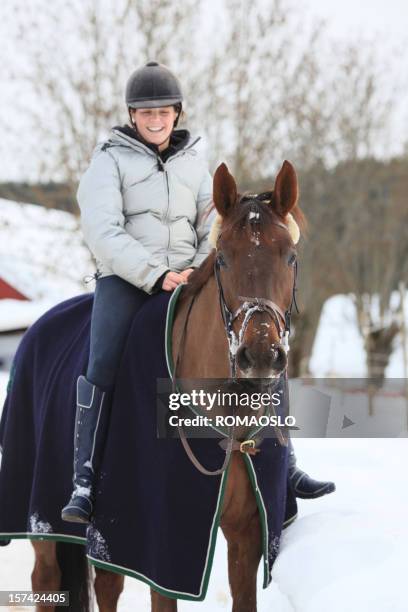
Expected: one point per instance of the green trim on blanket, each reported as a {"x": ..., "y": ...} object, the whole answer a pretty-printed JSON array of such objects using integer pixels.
[
  {"x": 251, "y": 471},
  {"x": 290, "y": 520},
  {"x": 118, "y": 569},
  {"x": 263, "y": 518},
  {"x": 168, "y": 344},
  {"x": 168, "y": 349},
  {"x": 58, "y": 537}
]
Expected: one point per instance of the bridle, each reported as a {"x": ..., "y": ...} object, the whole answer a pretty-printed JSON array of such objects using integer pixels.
[{"x": 250, "y": 305}]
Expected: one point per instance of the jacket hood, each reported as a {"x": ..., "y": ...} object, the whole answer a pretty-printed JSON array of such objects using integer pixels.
[{"x": 179, "y": 140}]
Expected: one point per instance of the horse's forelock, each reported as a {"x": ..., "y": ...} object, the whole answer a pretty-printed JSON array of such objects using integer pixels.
[
  {"x": 239, "y": 218},
  {"x": 251, "y": 212}
]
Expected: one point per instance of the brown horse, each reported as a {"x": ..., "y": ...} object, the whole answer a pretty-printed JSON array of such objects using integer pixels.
[{"x": 253, "y": 262}]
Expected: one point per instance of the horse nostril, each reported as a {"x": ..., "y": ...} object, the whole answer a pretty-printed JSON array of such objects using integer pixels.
[
  {"x": 274, "y": 353},
  {"x": 244, "y": 358},
  {"x": 278, "y": 356}
]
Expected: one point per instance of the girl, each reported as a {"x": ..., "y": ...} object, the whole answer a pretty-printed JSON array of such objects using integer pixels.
[{"x": 142, "y": 201}]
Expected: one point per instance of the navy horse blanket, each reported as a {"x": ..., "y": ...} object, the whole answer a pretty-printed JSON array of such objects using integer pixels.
[{"x": 156, "y": 517}]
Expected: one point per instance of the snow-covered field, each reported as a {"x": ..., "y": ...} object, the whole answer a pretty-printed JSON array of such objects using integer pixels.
[
  {"x": 338, "y": 349},
  {"x": 347, "y": 551},
  {"x": 41, "y": 251},
  {"x": 43, "y": 256}
]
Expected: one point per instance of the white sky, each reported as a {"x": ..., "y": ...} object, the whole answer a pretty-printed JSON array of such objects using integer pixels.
[
  {"x": 385, "y": 21},
  {"x": 346, "y": 17}
]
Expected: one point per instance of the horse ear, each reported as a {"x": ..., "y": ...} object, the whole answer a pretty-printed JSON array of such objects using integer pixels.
[
  {"x": 224, "y": 190},
  {"x": 286, "y": 191}
]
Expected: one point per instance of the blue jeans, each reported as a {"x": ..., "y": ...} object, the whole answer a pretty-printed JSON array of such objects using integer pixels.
[{"x": 115, "y": 304}]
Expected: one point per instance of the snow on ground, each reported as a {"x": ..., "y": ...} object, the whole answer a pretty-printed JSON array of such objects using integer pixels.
[
  {"x": 345, "y": 551},
  {"x": 349, "y": 550},
  {"x": 338, "y": 348},
  {"x": 18, "y": 314},
  {"x": 42, "y": 254},
  {"x": 42, "y": 251},
  {"x": 3, "y": 386}
]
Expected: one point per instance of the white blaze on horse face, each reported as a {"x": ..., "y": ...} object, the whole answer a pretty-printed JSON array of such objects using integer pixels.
[
  {"x": 255, "y": 233},
  {"x": 255, "y": 238}
]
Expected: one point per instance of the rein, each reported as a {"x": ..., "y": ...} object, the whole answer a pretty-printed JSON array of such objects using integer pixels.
[
  {"x": 230, "y": 444},
  {"x": 250, "y": 306}
]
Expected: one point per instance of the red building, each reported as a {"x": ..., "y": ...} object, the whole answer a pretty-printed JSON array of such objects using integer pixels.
[{"x": 7, "y": 291}]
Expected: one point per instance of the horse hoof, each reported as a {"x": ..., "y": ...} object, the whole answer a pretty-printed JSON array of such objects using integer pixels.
[{"x": 4, "y": 542}]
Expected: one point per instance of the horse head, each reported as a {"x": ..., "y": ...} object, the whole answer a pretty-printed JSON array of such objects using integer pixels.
[{"x": 255, "y": 238}]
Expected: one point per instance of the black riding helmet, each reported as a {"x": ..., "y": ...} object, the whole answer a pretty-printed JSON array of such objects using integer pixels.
[{"x": 153, "y": 86}]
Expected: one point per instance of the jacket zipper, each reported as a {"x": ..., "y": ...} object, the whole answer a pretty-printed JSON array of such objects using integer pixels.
[
  {"x": 165, "y": 216},
  {"x": 160, "y": 162}
]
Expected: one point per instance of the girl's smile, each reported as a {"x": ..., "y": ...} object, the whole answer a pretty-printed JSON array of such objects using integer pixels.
[{"x": 155, "y": 124}]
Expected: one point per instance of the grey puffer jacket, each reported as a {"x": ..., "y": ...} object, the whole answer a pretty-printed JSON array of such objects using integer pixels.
[{"x": 141, "y": 216}]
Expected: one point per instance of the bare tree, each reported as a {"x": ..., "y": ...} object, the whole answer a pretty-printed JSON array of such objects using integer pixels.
[
  {"x": 357, "y": 245},
  {"x": 265, "y": 86},
  {"x": 70, "y": 64},
  {"x": 253, "y": 83},
  {"x": 356, "y": 218}
]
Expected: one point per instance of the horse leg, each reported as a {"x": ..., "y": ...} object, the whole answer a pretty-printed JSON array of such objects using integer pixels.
[
  {"x": 160, "y": 603},
  {"x": 108, "y": 587},
  {"x": 244, "y": 553},
  {"x": 46, "y": 575},
  {"x": 241, "y": 526}
]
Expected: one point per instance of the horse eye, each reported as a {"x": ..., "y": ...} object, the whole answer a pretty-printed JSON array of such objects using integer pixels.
[
  {"x": 221, "y": 260},
  {"x": 292, "y": 259}
]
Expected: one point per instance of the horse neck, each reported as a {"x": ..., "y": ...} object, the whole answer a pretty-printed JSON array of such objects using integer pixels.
[{"x": 205, "y": 353}]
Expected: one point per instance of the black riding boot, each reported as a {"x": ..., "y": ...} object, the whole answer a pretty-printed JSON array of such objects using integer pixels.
[
  {"x": 91, "y": 421},
  {"x": 302, "y": 485}
]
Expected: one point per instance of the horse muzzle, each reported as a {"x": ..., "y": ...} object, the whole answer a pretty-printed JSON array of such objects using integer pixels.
[{"x": 262, "y": 362}]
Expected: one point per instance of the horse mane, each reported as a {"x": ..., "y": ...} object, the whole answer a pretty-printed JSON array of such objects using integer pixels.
[
  {"x": 245, "y": 202},
  {"x": 200, "y": 276},
  {"x": 298, "y": 215}
]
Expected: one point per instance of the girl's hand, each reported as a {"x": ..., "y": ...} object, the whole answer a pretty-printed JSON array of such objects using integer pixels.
[
  {"x": 186, "y": 273},
  {"x": 171, "y": 280}
]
